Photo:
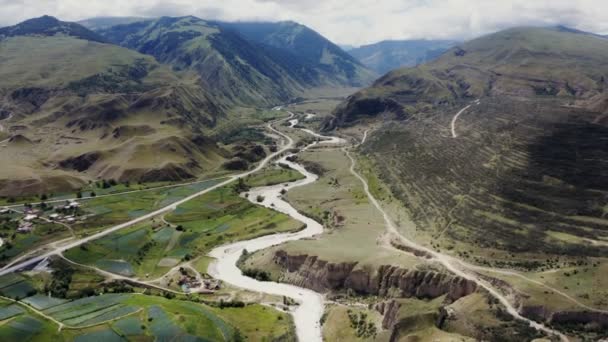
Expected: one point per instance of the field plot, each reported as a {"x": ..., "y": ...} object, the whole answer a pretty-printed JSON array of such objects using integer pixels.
[
  {"x": 119, "y": 317},
  {"x": 107, "y": 211},
  {"x": 18, "y": 290},
  {"x": 43, "y": 232},
  {"x": 152, "y": 248},
  {"x": 222, "y": 216},
  {"x": 42, "y": 302},
  {"x": 21, "y": 328},
  {"x": 10, "y": 311},
  {"x": 105, "y": 335},
  {"x": 91, "y": 310},
  {"x": 130, "y": 326}
]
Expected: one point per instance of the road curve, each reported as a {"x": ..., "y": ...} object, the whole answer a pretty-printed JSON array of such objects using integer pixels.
[{"x": 455, "y": 118}]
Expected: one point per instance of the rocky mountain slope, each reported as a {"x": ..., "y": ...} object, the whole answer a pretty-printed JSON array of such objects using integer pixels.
[
  {"x": 234, "y": 64},
  {"x": 388, "y": 55},
  {"x": 295, "y": 43},
  {"x": 89, "y": 109}
]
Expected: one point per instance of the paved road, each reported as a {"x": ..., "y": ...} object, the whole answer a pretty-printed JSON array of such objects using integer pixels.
[{"x": 155, "y": 213}]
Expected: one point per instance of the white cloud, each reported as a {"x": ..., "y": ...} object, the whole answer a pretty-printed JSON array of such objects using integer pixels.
[{"x": 344, "y": 21}]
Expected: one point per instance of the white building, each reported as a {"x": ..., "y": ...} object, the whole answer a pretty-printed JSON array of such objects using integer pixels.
[{"x": 30, "y": 217}]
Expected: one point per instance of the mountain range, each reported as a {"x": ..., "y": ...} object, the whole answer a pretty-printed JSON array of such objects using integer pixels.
[
  {"x": 388, "y": 55},
  {"x": 507, "y": 138},
  {"x": 144, "y": 99}
]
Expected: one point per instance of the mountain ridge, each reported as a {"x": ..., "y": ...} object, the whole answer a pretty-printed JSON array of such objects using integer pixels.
[
  {"x": 388, "y": 55},
  {"x": 50, "y": 26}
]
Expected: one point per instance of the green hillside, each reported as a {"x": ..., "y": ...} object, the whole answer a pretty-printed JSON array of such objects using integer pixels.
[
  {"x": 516, "y": 62},
  {"x": 313, "y": 51},
  {"x": 524, "y": 170},
  {"x": 77, "y": 109},
  {"x": 233, "y": 70}
]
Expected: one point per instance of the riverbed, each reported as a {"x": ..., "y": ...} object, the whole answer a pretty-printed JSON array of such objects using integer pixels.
[{"x": 307, "y": 314}]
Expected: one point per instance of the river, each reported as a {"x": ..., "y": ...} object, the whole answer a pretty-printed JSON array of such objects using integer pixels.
[{"x": 308, "y": 313}]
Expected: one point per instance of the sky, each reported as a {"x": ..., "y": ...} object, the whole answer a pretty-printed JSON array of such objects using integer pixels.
[{"x": 354, "y": 22}]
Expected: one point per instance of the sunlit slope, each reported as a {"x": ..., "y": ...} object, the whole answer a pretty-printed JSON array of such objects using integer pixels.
[{"x": 77, "y": 109}]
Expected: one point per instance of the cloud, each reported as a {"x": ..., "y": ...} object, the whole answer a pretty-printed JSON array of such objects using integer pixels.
[{"x": 344, "y": 21}]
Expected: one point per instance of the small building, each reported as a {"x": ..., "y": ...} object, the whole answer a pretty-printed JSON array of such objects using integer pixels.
[
  {"x": 30, "y": 217},
  {"x": 5, "y": 211},
  {"x": 74, "y": 204},
  {"x": 54, "y": 216},
  {"x": 25, "y": 227}
]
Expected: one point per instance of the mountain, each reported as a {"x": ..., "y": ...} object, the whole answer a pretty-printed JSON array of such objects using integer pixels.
[
  {"x": 347, "y": 47},
  {"x": 49, "y": 26},
  {"x": 388, "y": 55},
  {"x": 307, "y": 46},
  {"x": 515, "y": 62},
  {"x": 231, "y": 61},
  {"x": 74, "y": 108},
  {"x": 525, "y": 170}
]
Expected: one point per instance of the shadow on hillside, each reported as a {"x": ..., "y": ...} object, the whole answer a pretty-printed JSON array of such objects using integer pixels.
[{"x": 567, "y": 175}]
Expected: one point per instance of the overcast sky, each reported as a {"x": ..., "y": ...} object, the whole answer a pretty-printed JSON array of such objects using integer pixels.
[{"x": 343, "y": 21}]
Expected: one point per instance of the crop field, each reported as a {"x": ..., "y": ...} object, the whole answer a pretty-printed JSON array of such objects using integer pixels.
[
  {"x": 21, "y": 328},
  {"x": 114, "y": 317},
  {"x": 130, "y": 326},
  {"x": 196, "y": 227},
  {"x": 42, "y": 302},
  {"x": 10, "y": 311},
  {"x": 222, "y": 216},
  {"x": 91, "y": 310},
  {"x": 18, "y": 244},
  {"x": 107, "y": 211},
  {"x": 18, "y": 290},
  {"x": 105, "y": 335}
]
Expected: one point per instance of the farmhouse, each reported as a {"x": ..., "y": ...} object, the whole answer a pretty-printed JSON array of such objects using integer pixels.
[
  {"x": 25, "y": 227},
  {"x": 30, "y": 217}
]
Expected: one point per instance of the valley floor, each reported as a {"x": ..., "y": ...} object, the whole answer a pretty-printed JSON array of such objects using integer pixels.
[{"x": 379, "y": 276}]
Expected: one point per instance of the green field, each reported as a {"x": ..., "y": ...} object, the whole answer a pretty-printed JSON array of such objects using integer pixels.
[
  {"x": 114, "y": 317},
  {"x": 273, "y": 175},
  {"x": 111, "y": 210},
  {"x": 152, "y": 248},
  {"x": 17, "y": 244}
]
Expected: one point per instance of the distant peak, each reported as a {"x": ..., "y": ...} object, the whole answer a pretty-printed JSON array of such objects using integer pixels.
[{"x": 47, "y": 25}]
